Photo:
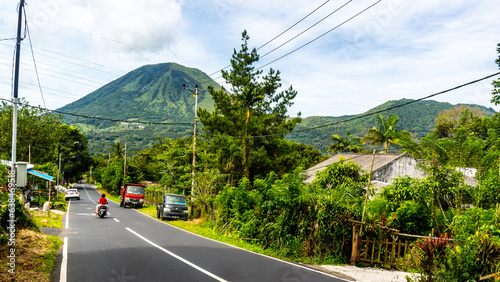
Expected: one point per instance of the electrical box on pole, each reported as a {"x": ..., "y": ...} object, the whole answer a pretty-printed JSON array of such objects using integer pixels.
[{"x": 22, "y": 174}]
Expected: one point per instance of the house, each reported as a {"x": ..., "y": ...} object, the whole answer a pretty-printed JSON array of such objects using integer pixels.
[{"x": 386, "y": 167}]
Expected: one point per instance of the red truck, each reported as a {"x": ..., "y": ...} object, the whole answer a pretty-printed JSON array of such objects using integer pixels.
[{"x": 132, "y": 194}]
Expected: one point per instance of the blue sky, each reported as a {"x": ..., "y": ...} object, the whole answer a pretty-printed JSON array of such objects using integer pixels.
[{"x": 397, "y": 49}]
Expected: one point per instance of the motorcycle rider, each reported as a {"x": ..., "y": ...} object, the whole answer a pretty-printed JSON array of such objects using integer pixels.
[{"x": 102, "y": 202}]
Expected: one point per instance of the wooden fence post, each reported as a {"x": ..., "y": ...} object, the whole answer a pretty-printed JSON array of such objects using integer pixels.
[{"x": 355, "y": 244}]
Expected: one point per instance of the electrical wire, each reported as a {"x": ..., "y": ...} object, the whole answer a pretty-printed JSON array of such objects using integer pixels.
[
  {"x": 367, "y": 114},
  {"x": 307, "y": 29},
  {"x": 309, "y": 42},
  {"x": 304, "y": 45},
  {"x": 101, "y": 118},
  {"x": 33, "y": 56},
  {"x": 319, "y": 7},
  {"x": 277, "y": 36}
]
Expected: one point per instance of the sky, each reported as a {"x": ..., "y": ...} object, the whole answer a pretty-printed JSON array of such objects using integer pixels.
[{"x": 341, "y": 58}]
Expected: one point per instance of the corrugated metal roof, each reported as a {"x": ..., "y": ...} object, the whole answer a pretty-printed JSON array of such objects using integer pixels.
[{"x": 364, "y": 160}]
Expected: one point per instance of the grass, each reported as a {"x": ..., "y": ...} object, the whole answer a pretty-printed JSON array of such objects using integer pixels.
[
  {"x": 35, "y": 257},
  {"x": 149, "y": 210},
  {"x": 199, "y": 227},
  {"x": 43, "y": 219}
]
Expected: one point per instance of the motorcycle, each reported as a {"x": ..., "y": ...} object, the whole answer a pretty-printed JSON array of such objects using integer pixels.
[{"x": 102, "y": 211}]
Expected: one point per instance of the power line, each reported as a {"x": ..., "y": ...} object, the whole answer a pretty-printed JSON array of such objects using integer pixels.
[
  {"x": 307, "y": 29},
  {"x": 319, "y": 7},
  {"x": 369, "y": 114},
  {"x": 398, "y": 106},
  {"x": 99, "y": 68},
  {"x": 277, "y": 36},
  {"x": 101, "y": 118},
  {"x": 302, "y": 46},
  {"x": 33, "y": 56}
]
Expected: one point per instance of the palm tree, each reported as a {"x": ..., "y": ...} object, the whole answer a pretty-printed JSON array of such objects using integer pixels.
[
  {"x": 386, "y": 133},
  {"x": 349, "y": 144},
  {"x": 117, "y": 151}
]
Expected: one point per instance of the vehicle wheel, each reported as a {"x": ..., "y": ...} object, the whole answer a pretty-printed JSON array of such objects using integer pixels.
[
  {"x": 139, "y": 206},
  {"x": 78, "y": 198},
  {"x": 101, "y": 214},
  {"x": 65, "y": 199}
]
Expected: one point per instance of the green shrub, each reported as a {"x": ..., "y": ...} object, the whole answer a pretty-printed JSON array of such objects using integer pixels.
[{"x": 413, "y": 218}]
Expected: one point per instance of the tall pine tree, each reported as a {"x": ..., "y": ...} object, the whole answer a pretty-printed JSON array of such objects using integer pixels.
[{"x": 252, "y": 115}]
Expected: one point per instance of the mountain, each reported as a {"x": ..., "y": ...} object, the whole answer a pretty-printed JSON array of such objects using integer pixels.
[
  {"x": 418, "y": 118},
  {"x": 151, "y": 93}
]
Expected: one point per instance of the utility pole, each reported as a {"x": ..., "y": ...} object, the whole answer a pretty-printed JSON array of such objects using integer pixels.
[
  {"x": 58, "y": 170},
  {"x": 16, "y": 84},
  {"x": 194, "y": 139},
  {"x": 125, "y": 163},
  {"x": 195, "y": 94}
]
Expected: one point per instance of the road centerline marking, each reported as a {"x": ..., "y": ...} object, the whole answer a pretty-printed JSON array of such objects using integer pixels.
[
  {"x": 116, "y": 220},
  {"x": 176, "y": 256}
]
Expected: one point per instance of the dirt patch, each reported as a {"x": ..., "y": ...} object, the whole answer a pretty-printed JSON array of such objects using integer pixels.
[{"x": 34, "y": 257}]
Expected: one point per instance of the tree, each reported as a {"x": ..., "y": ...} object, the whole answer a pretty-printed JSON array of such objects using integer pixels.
[
  {"x": 118, "y": 151},
  {"x": 253, "y": 115},
  {"x": 36, "y": 130},
  {"x": 386, "y": 133},
  {"x": 349, "y": 144},
  {"x": 449, "y": 121},
  {"x": 75, "y": 156}
]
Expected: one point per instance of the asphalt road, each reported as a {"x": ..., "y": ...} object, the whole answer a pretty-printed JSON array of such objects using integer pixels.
[{"x": 130, "y": 246}]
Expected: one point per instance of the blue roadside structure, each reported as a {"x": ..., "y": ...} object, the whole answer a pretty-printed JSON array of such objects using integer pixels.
[{"x": 40, "y": 174}]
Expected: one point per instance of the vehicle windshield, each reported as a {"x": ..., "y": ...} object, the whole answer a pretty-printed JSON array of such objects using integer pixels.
[
  {"x": 135, "y": 190},
  {"x": 176, "y": 200}
]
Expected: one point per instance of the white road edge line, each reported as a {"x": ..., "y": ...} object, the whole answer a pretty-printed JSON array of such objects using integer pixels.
[
  {"x": 177, "y": 257},
  {"x": 64, "y": 264},
  {"x": 67, "y": 215}
]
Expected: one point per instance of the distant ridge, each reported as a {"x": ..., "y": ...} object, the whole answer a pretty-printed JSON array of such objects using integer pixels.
[{"x": 418, "y": 118}]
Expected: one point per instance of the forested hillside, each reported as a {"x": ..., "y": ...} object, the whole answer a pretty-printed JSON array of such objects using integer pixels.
[
  {"x": 417, "y": 118},
  {"x": 151, "y": 93}
]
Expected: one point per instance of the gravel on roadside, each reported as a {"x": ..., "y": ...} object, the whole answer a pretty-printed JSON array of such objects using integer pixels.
[{"x": 366, "y": 274}]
